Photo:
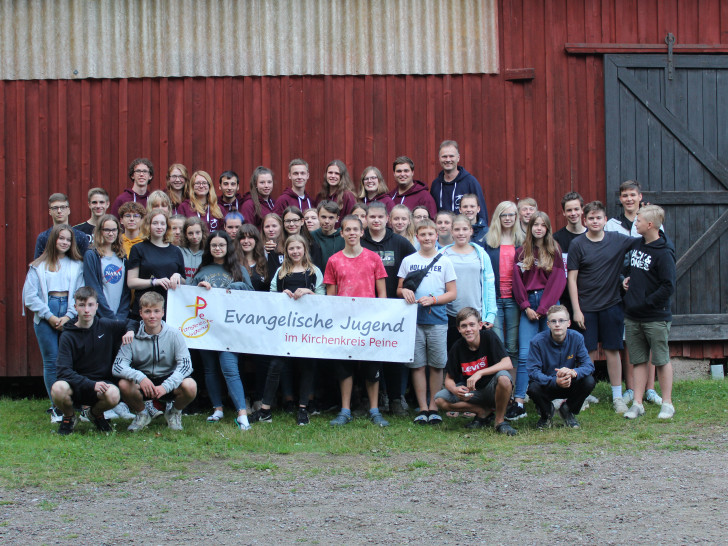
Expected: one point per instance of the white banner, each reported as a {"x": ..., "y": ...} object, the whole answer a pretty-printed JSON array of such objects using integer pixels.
[{"x": 314, "y": 326}]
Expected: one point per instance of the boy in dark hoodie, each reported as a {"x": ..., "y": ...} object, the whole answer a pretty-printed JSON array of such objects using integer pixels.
[
  {"x": 230, "y": 198},
  {"x": 85, "y": 354},
  {"x": 141, "y": 172},
  {"x": 647, "y": 308},
  {"x": 296, "y": 195},
  {"x": 454, "y": 182},
  {"x": 328, "y": 236},
  {"x": 410, "y": 192},
  {"x": 392, "y": 249},
  {"x": 470, "y": 208}
]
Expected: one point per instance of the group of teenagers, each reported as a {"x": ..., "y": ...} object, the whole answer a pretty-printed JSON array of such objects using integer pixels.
[{"x": 507, "y": 310}]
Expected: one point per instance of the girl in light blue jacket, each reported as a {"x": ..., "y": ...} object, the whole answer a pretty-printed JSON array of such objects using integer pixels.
[{"x": 476, "y": 281}]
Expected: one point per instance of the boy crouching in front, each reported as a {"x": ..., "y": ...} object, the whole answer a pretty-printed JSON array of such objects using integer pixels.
[{"x": 155, "y": 366}]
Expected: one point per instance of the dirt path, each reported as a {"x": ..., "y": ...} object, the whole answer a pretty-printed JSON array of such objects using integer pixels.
[{"x": 554, "y": 495}]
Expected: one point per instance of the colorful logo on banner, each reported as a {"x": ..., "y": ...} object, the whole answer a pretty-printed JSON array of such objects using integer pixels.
[{"x": 197, "y": 325}]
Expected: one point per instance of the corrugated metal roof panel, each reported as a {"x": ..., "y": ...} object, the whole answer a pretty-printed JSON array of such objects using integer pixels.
[{"x": 70, "y": 39}]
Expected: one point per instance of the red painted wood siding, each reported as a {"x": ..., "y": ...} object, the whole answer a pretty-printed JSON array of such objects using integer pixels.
[{"x": 537, "y": 138}]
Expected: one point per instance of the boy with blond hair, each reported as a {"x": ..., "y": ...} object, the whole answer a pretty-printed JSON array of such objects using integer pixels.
[{"x": 647, "y": 308}]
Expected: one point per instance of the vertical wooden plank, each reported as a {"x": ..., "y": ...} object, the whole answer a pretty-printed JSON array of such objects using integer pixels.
[
  {"x": 163, "y": 130},
  {"x": 655, "y": 81},
  {"x": 641, "y": 121}
]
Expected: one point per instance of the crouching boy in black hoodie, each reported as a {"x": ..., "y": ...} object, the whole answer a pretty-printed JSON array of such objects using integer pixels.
[
  {"x": 85, "y": 355},
  {"x": 647, "y": 308},
  {"x": 156, "y": 365}
]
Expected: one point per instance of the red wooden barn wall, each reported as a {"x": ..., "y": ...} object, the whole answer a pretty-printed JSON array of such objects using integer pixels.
[{"x": 541, "y": 137}]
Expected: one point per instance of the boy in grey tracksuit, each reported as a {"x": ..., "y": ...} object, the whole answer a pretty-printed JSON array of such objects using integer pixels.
[{"x": 155, "y": 366}]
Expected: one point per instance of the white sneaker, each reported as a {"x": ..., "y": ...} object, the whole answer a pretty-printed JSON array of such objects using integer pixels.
[
  {"x": 123, "y": 411},
  {"x": 110, "y": 414},
  {"x": 652, "y": 397},
  {"x": 592, "y": 399},
  {"x": 628, "y": 396},
  {"x": 666, "y": 412},
  {"x": 151, "y": 410},
  {"x": 637, "y": 410},
  {"x": 141, "y": 420},
  {"x": 619, "y": 405},
  {"x": 174, "y": 419}
]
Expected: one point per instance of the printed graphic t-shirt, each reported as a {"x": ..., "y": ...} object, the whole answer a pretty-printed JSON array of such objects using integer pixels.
[
  {"x": 432, "y": 285},
  {"x": 462, "y": 362}
]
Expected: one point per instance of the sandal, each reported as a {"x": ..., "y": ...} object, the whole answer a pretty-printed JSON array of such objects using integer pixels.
[
  {"x": 421, "y": 418},
  {"x": 434, "y": 418},
  {"x": 215, "y": 417},
  {"x": 506, "y": 428}
]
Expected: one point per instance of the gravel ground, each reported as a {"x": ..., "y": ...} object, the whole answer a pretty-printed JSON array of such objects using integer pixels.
[{"x": 541, "y": 495}]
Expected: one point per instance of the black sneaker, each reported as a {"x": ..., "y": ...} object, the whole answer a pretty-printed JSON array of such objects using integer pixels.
[
  {"x": 302, "y": 417},
  {"x": 515, "y": 412},
  {"x": 547, "y": 420},
  {"x": 506, "y": 428},
  {"x": 568, "y": 417},
  {"x": 67, "y": 425},
  {"x": 289, "y": 406},
  {"x": 477, "y": 422},
  {"x": 102, "y": 423},
  {"x": 313, "y": 408},
  {"x": 261, "y": 416}
]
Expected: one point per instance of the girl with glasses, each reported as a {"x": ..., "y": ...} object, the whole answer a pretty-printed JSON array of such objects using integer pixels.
[
  {"x": 104, "y": 270},
  {"x": 220, "y": 269},
  {"x": 202, "y": 201}
]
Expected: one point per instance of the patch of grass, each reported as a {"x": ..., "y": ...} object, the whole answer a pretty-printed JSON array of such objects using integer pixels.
[
  {"x": 34, "y": 455},
  {"x": 47, "y": 505}
]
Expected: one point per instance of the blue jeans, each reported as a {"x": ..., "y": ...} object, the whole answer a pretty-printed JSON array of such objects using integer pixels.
[
  {"x": 47, "y": 337},
  {"x": 507, "y": 320},
  {"x": 228, "y": 363},
  {"x": 526, "y": 330}
]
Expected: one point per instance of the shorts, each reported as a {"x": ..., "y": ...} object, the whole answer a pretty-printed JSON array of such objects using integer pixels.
[
  {"x": 606, "y": 326},
  {"x": 485, "y": 397},
  {"x": 87, "y": 396},
  {"x": 430, "y": 346},
  {"x": 643, "y": 337},
  {"x": 84, "y": 397},
  {"x": 346, "y": 368},
  {"x": 168, "y": 397}
]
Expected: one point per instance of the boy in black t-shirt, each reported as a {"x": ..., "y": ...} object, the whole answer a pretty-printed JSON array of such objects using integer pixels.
[
  {"x": 595, "y": 264},
  {"x": 477, "y": 378}
]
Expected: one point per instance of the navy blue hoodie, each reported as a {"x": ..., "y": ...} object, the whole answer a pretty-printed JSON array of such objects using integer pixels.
[
  {"x": 447, "y": 195},
  {"x": 651, "y": 281}
]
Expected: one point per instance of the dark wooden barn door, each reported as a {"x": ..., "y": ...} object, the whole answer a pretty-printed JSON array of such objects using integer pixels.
[{"x": 667, "y": 127}]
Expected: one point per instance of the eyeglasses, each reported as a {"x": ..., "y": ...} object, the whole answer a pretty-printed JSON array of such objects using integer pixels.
[
  {"x": 107, "y": 230},
  {"x": 59, "y": 208},
  {"x": 219, "y": 247},
  {"x": 175, "y": 177},
  {"x": 292, "y": 221},
  {"x": 558, "y": 321},
  {"x": 201, "y": 185},
  {"x": 368, "y": 178},
  {"x": 141, "y": 171},
  {"x": 508, "y": 215},
  {"x": 132, "y": 216}
]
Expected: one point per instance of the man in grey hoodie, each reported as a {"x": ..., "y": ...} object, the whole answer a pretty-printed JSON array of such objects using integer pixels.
[{"x": 155, "y": 366}]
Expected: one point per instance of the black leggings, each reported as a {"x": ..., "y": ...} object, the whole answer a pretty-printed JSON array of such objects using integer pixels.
[{"x": 278, "y": 365}]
